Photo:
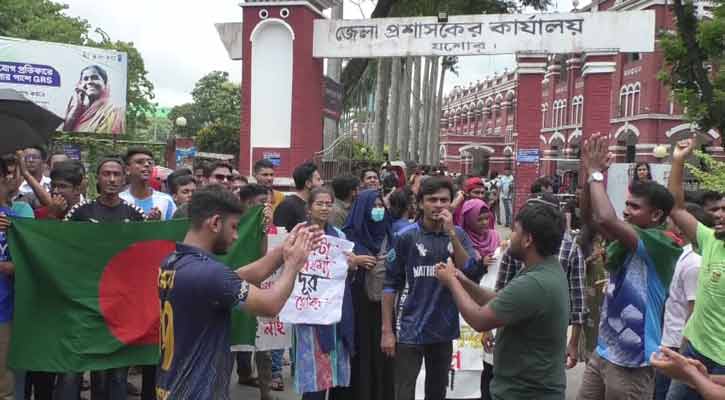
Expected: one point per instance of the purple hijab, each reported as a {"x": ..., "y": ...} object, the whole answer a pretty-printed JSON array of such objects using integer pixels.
[{"x": 484, "y": 241}]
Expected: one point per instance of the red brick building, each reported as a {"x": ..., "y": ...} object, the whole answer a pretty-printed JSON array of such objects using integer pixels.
[{"x": 550, "y": 103}]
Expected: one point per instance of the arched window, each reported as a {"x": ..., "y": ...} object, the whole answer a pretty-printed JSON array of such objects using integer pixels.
[
  {"x": 635, "y": 93},
  {"x": 577, "y": 104},
  {"x": 623, "y": 93}
]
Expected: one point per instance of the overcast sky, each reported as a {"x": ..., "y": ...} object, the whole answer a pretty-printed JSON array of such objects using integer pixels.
[{"x": 179, "y": 43}]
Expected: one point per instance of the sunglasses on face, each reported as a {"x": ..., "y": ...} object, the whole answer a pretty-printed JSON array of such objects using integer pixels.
[{"x": 222, "y": 177}]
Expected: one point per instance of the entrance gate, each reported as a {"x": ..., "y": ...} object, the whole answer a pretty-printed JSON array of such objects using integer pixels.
[{"x": 284, "y": 43}]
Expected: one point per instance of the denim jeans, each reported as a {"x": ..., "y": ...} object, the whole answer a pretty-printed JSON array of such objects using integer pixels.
[
  {"x": 662, "y": 382},
  {"x": 679, "y": 390},
  {"x": 507, "y": 211},
  {"x": 109, "y": 384},
  {"x": 277, "y": 363}
]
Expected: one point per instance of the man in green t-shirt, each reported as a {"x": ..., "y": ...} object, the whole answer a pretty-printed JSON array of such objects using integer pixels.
[
  {"x": 705, "y": 330},
  {"x": 531, "y": 312}
]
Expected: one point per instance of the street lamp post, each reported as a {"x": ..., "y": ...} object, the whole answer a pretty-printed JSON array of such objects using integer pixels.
[{"x": 179, "y": 123}]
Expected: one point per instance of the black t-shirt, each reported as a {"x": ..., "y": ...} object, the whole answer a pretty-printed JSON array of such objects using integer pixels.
[
  {"x": 94, "y": 211},
  {"x": 290, "y": 212}
]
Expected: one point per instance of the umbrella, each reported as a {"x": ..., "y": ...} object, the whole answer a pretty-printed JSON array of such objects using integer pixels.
[{"x": 23, "y": 123}]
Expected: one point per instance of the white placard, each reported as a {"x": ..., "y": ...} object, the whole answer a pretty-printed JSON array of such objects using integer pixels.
[
  {"x": 272, "y": 334},
  {"x": 626, "y": 31},
  {"x": 620, "y": 175},
  {"x": 50, "y": 75},
  {"x": 320, "y": 286}
]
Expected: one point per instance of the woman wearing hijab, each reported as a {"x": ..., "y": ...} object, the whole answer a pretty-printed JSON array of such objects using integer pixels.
[
  {"x": 474, "y": 188},
  {"x": 476, "y": 222},
  {"x": 369, "y": 227}
]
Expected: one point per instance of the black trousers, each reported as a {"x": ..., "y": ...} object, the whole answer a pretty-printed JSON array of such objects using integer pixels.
[
  {"x": 486, "y": 378},
  {"x": 39, "y": 385},
  {"x": 409, "y": 358}
]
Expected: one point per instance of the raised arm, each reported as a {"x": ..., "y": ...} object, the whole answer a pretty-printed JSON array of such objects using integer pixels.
[
  {"x": 257, "y": 271},
  {"x": 40, "y": 192},
  {"x": 460, "y": 255},
  {"x": 596, "y": 159},
  {"x": 269, "y": 302},
  {"x": 683, "y": 219}
]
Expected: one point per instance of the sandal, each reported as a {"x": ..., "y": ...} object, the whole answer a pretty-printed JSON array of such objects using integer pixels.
[{"x": 277, "y": 384}]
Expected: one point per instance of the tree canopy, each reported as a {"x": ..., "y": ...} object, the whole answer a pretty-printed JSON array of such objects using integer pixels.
[
  {"x": 695, "y": 70},
  {"x": 213, "y": 117}
]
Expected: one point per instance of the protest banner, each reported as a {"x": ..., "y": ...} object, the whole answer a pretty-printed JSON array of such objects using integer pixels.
[
  {"x": 85, "y": 86},
  {"x": 320, "y": 285}
]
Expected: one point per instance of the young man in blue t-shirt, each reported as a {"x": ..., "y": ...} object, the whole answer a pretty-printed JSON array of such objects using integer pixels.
[
  {"x": 155, "y": 204},
  {"x": 427, "y": 316},
  {"x": 7, "y": 269},
  {"x": 640, "y": 260},
  {"x": 197, "y": 294}
]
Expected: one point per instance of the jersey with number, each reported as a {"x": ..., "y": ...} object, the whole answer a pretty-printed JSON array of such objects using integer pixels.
[{"x": 197, "y": 295}]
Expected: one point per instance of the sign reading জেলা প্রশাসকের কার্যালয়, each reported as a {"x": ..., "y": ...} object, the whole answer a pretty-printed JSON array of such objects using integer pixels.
[{"x": 626, "y": 31}]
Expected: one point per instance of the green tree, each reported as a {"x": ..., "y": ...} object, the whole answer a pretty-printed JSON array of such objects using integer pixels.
[
  {"x": 710, "y": 173},
  {"x": 213, "y": 116},
  {"x": 218, "y": 138},
  {"x": 44, "y": 20},
  {"x": 41, "y": 20},
  {"x": 695, "y": 70},
  {"x": 193, "y": 123}
]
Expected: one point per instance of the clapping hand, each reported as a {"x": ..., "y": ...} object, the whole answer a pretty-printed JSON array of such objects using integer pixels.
[
  {"x": 154, "y": 214},
  {"x": 297, "y": 247},
  {"x": 446, "y": 272},
  {"x": 267, "y": 215},
  {"x": 57, "y": 206},
  {"x": 677, "y": 366},
  {"x": 595, "y": 153}
]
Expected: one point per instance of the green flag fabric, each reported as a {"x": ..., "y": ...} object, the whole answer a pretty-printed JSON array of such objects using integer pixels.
[{"x": 86, "y": 295}]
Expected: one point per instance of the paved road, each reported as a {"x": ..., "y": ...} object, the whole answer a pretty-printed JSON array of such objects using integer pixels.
[{"x": 238, "y": 392}]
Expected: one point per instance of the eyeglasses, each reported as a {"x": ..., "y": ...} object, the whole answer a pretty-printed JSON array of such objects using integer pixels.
[
  {"x": 144, "y": 161},
  {"x": 222, "y": 177}
]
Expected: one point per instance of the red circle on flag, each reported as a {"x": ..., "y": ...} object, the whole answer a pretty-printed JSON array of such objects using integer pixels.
[{"x": 128, "y": 292}]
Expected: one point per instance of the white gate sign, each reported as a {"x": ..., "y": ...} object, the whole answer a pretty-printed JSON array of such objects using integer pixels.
[
  {"x": 320, "y": 286},
  {"x": 465, "y": 35}
]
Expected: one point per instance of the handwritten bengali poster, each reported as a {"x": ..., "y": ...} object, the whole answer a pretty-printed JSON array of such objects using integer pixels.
[{"x": 320, "y": 286}]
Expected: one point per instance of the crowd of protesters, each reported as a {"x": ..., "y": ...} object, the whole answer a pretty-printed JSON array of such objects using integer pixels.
[{"x": 638, "y": 299}]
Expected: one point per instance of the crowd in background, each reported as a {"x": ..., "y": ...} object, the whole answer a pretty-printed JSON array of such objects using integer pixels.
[{"x": 639, "y": 298}]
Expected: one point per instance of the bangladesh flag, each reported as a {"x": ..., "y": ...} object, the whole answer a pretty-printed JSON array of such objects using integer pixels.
[{"x": 86, "y": 294}]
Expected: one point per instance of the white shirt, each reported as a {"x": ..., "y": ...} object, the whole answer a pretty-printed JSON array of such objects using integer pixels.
[
  {"x": 44, "y": 182},
  {"x": 489, "y": 282},
  {"x": 682, "y": 291},
  {"x": 160, "y": 200}
]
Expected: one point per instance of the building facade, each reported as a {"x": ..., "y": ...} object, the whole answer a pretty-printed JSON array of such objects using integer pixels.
[{"x": 551, "y": 103}]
